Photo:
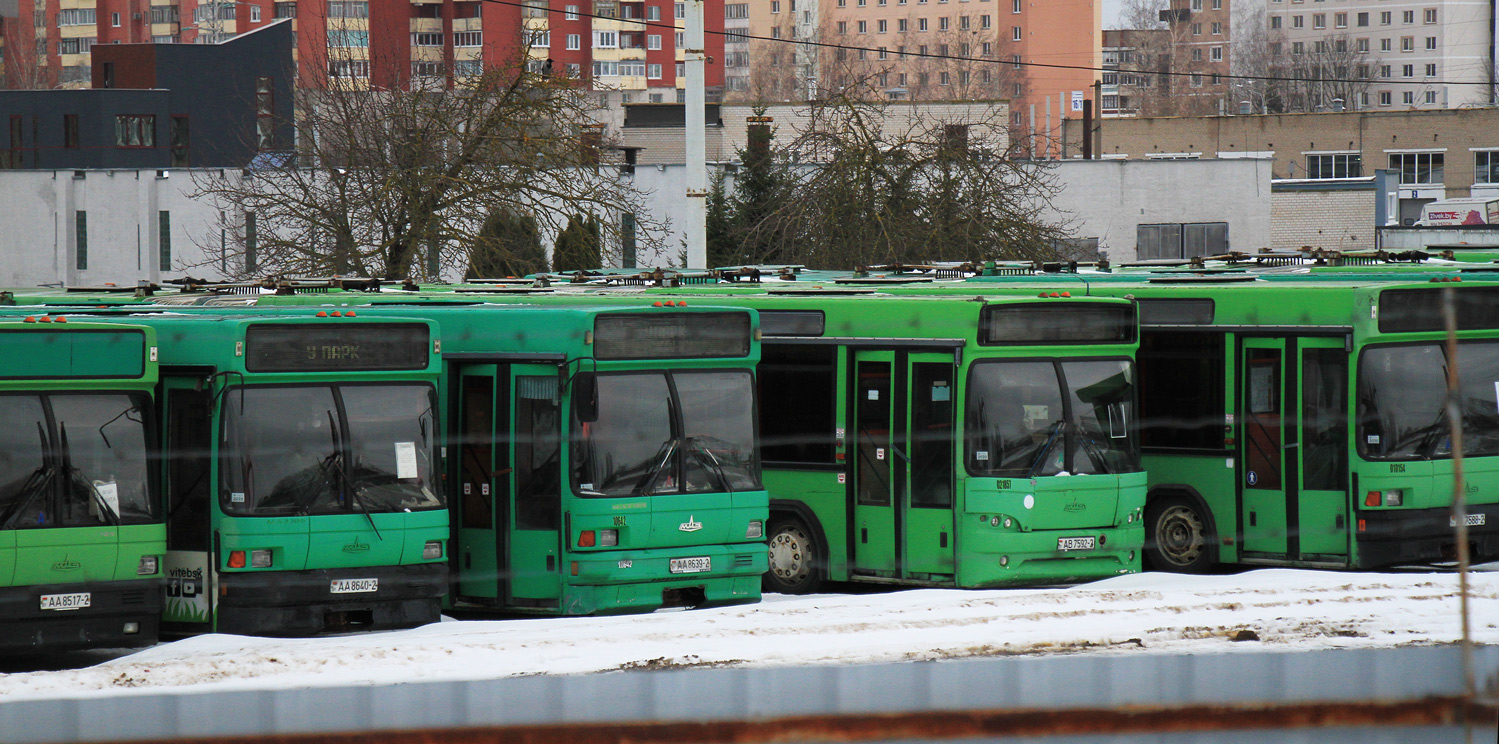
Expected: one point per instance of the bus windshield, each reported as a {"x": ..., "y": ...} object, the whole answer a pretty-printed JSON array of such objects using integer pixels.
[
  {"x": 1402, "y": 391},
  {"x": 658, "y": 432},
  {"x": 1029, "y": 418},
  {"x": 321, "y": 449},
  {"x": 86, "y": 466}
]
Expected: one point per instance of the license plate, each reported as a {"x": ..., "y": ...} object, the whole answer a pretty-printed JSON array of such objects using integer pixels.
[
  {"x": 1473, "y": 520},
  {"x": 1076, "y": 543},
  {"x": 76, "y": 601},
  {"x": 691, "y": 565},
  {"x": 354, "y": 586}
]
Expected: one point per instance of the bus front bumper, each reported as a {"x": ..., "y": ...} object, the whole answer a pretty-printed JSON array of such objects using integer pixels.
[
  {"x": 643, "y": 580},
  {"x": 1387, "y": 537},
  {"x": 120, "y": 614},
  {"x": 304, "y": 603}
]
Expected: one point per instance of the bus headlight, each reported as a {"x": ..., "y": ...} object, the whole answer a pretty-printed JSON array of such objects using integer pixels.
[
  {"x": 147, "y": 566},
  {"x": 432, "y": 550},
  {"x": 1395, "y": 497},
  {"x": 755, "y": 531},
  {"x": 260, "y": 559},
  {"x": 608, "y": 538}
]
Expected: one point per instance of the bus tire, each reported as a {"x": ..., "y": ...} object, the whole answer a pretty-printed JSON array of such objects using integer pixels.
[
  {"x": 1178, "y": 535},
  {"x": 795, "y": 561}
]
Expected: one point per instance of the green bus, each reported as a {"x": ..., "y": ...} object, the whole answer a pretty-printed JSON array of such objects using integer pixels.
[
  {"x": 1301, "y": 423},
  {"x": 302, "y": 485},
  {"x": 81, "y": 532},
  {"x": 598, "y": 460},
  {"x": 933, "y": 443}
]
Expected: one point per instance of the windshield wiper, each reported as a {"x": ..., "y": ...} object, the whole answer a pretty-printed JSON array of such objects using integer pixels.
[
  {"x": 1095, "y": 453},
  {"x": 695, "y": 444},
  {"x": 336, "y": 462},
  {"x": 75, "y": 475},
  {"x": 34, "y": 485},
  {"x": 662, "y": 457},
  {"x": 1052, "y": 432}
]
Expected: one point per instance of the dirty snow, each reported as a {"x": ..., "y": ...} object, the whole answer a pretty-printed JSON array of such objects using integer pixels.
[{"x": 1272, "y": 609}]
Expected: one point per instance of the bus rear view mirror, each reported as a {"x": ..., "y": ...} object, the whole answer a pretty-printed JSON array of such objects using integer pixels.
[{"x": 586, "y": 397}]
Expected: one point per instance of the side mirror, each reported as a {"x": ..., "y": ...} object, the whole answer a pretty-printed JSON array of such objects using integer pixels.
[{"x": 586, "y": 397}]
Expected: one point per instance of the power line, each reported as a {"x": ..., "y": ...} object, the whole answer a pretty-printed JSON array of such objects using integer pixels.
[{"x": 644, "y": 24}]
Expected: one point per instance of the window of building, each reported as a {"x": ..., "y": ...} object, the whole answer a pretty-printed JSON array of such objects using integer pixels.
[
  {"x": 1408, "y": 16},
  {"x": 424, "y": 39},
  {"x": 1384, "y": 18},
  {"x": 1197, "y": 29},
  {"x": 164, "y": 240},
  {"x": 963, "y": 22},
  {"x": 1015, "y": 34},
  {"x": 653, "y": 41},
  {"x": 1334, "y": 165},
  {"x": 1431, "y": 43},
  {"x": 1217, "y": 28},
  {"x": 1340, "y": 20},
  {"x": 1408, "y": 70},
  {"x": 881, "y": 26},
  {"x": 265, "y": 113},
  {"x": 1274, "y": 22},
  {"x": 1486, "y": 166},
  {"x": 1407, "y": 43},
  {"x": 921, "y": 24},
  {"x": 1418, "y": 167},
  {"x": 1216, "y": 54},
  {"x": 1429, "y": 15},
  {"x": 348, "y": 9},
  {"x": 944, "y": 23},
  {"x": 1194, "y": 80},
  {"x": 1363, "y": 19},
  {"x": 1408, "y": 97},
  {"x": 1384, "y": 71},
  {"x": 80, "y": 239},
  {"x": 883, "y": 55},
  {"x": 255, "y": 14},
  {"x": 842, "y": 28},
  {"x": 1384, "y": 45},
  {"x": 1197, "y": 55},
  {"x": 343, "y": 38},
  {"x": 349, "y": 68},
  {"x": 985, "y": 22},
  {"x": 574, "y": 41},
  {"x": 1298, "y": 47},
  {"x": 283, "y": 10},
  {"x": 680, "y": 38},
  {"x": 540, "y": 39},
  {"x": 1319, "y": 20},
  {"x": 606, "y": 39},
  {"x": 1431, "y": 96},
  {"x": 75, "y": 17},
  {"x": 1362, "y": 46},
  {"x": 775, "y": 6},
  {"x": 863, "y": 27},
  {"x": 1298, "y": 22},
  {"x": 135, "y": 130},
  {"x": 680, "y": 11},
  {"x": 114, "y": 19},
  {"x": 1431, "y": 69}
]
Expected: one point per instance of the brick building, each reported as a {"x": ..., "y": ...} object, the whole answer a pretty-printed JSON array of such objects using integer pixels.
[
  {"x": 631, "y": 46},
  {"x": 1437, "y": 154}
]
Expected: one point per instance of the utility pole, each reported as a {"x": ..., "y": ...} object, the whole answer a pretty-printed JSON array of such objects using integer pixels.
[{"x": 696, "y": 145}]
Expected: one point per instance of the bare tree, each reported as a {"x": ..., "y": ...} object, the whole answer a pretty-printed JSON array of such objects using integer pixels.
[
  {"x": 864, "y": 184},
  {"x": 397, "y": 181}
]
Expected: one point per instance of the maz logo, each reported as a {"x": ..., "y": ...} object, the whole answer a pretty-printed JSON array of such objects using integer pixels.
[
  {"x": 690, "y": 525},
  {"x": 356, "y": 547},
  {"x": 66, "y": 565}
]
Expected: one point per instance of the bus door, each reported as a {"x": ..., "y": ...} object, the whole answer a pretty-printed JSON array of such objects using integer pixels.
[
  {"x": 187, "y": 486},
  {"x": 481, "y": 423},
  {"x": 534, "y": 499},
  {"x": 1265, "y": 443},
  {"x": 927, "y": 457},
  {"x": 509, "y": 484},
  {"x": 873, "y": 416},
  {"x": 1322, "y": 509}
]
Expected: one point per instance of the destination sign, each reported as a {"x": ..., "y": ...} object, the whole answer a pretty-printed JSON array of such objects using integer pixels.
[{"x": 336, "y": 347}]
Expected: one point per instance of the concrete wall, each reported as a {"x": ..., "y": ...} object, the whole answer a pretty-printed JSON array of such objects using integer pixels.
[
  {"x": 1109, "y": 199},
  {"x": 1100, "y": 199}
]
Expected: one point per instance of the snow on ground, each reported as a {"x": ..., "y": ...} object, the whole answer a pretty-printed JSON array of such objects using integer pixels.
[{"x": 1146, "y": 613}]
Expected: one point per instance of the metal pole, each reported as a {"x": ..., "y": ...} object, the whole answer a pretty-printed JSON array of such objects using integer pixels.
[
  {"x": 1459, "y": 494},
  {"x": 697, "y": 146}
]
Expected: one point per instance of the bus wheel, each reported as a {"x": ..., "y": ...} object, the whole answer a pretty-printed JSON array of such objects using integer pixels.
[
  {"x": 794, "y": 564},
  {"x": 1177, "y": 536}
]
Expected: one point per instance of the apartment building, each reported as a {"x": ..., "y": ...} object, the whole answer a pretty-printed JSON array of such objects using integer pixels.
[
  {"x": 633, "y": 47},
  {"x": 928, "y": 50},
  {"x": 1417, "y": 54}
]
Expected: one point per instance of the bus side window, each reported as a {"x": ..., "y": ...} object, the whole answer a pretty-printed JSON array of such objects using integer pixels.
[
  {"x": 538, "y": 453},
  {"x": 188, "y": 491}
]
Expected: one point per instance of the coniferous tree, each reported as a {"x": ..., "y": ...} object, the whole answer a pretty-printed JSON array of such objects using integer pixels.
[{"x": 507, "y": 244}]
